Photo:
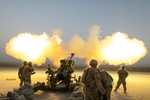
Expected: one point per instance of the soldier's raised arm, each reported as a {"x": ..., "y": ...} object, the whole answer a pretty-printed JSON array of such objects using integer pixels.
[{"x": 31, "y": 69}]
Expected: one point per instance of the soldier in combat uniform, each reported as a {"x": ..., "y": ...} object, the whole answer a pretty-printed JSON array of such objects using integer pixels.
[
  {"x": 107, "y": 82},
  {"x": 28, "y": 71},
  {"x": 122, "y": 73},
  {"x": 60, "y": 73},
  {"x": 20, "y": 72},
  {"x": 91, "y": 80},
  {"x": 68, "y": 72},
  {"x": 50, "y": 76}
]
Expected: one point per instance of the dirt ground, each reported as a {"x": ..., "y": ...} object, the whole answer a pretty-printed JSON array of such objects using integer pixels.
[{"x": 137, "y": 85}]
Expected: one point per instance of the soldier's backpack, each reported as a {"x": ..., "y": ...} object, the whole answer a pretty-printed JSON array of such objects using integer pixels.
[
  {"x": 87, "y": 79},
  {"x": 106, "y": 79}
]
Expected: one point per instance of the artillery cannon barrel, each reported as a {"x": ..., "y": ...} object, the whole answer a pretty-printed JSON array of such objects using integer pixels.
[{"x": 72, "y": 54}]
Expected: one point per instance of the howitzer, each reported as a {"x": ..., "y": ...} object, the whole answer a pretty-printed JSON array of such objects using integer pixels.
[
  {"x": 70, "y": 64},
  {"x": 77, "y": 80},
  {"x": 70, "y": 61},
  {"x": 72, "y": 54}
]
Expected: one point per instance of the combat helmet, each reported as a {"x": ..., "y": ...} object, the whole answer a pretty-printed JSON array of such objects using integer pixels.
[{"x": 93, "y": 62}]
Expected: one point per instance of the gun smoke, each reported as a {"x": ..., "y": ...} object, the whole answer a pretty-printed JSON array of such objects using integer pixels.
[{"x": 115, "y": 49}]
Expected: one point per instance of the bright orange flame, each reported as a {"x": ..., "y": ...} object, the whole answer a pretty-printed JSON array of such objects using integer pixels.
[
  {"x": 31, "y": 47},
  {"x": 115, "y": 49},
  {"x": 120, "y": 49}
]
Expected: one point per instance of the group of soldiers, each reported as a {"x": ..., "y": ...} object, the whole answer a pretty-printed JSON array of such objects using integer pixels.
[
  {"x": 98, "y": 83},
  {"x": 63, "y": 73},
  {"x": 25, "y": 72}
]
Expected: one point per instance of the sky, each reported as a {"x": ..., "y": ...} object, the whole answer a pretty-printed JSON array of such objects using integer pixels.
[{"x": 74, "y": 17}]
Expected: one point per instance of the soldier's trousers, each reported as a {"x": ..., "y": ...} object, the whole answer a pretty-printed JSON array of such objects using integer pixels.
[
  {"x": 107, "y": 95},
  {"x": 21, "y": 80},
  {"x": 91, "y": 94},
  {"x": 28, "y": 79},
  {"x": 123, "y": 82}
]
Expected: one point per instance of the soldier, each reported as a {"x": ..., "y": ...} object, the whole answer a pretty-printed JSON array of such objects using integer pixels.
[
  {"x": 50, "y": 75},
  {"x": 20, "y": 72},
  {"x": 60, "y": 72},
  {"x": 107, "y": 82},
  {"x": 68, "y": 72},
  {"x": 91, "y": 80},
  {"x": 122, "y": 78},
  {"x": 28, "y": 71}
]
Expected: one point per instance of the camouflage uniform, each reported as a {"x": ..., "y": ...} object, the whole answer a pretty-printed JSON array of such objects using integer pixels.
[
  {"x": 68, "y": 72},
  {"x": 107, "y": 81},
  {"x": 50, "y": 76},
  {"x": 94, "y": 90},
  {"x": 20, "y": 72},
  {"x": 122, "y": 79},
  {"x": 60, "y": 72},
  {"x": 28, "y": 71}
]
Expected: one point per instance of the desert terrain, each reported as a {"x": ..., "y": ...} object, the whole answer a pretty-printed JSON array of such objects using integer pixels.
[{"x": 137, "y": 85}]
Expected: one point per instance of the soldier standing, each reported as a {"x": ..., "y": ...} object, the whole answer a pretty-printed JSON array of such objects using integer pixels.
[
  {"x": 107, "y": 82},
  {"x": 20, "y": 72},
  {"x": 91, "y": 79},
  {"x": 122, "y": 78},
  {"x": 68, "y": 72},
  {"x": 28, "y": 71}
]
